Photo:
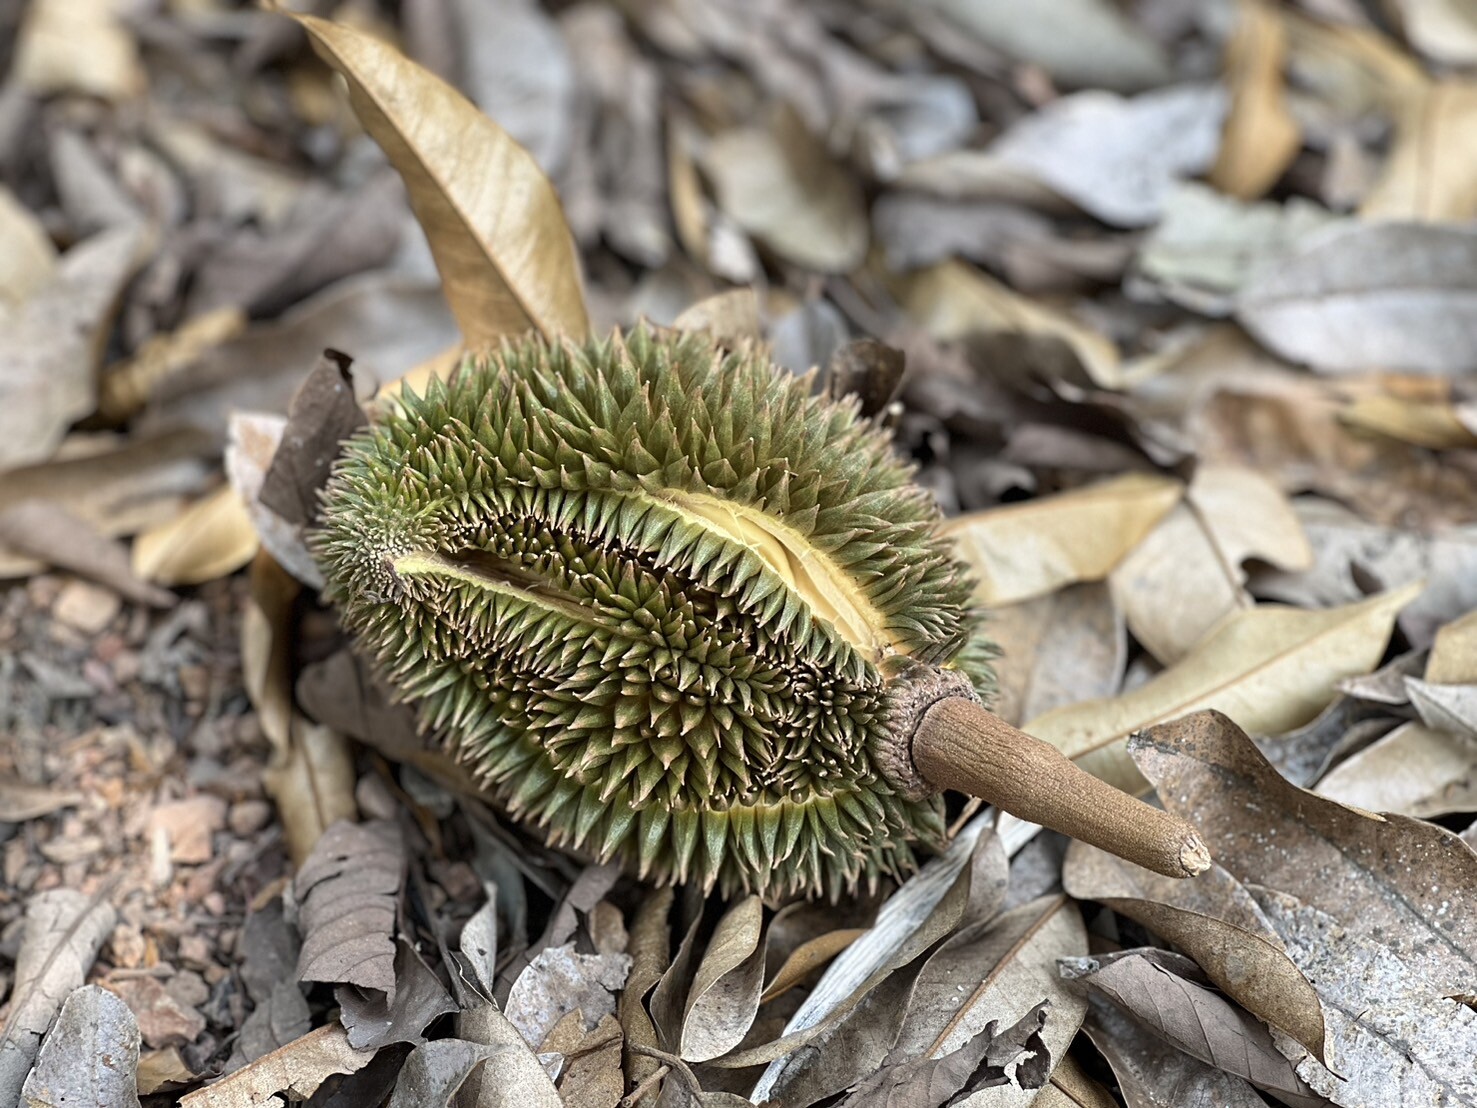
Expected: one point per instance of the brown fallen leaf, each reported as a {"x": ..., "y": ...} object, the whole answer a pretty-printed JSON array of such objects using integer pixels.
[
  {"x": 592, "y": 1076},
  {"x": 557, "y": 981},
  {"x": 297, "y": 1068},
  {"x": 435, "y": 1072},
  {"x": 90, "y": 1055},
  {"x": 778, "y": 183},
  {"x": 651, "y": 954},
  {"x": 76, "y": 47},
  {"x": 322, "y": 414},
  {"x": 1070, "y": 1087},
  {"x": 127, "y": 386},
  {"x": 20, "y": 801},
  {"x": 806, "y": 958},
  {"x": 1197, "y": 1020},
  {"x": 212, "y": 538},
  {"x": 63, "y": 931},
  {"x": 1025, "y": 550},
  {"x": 724, "y": 997},
  {"x": 1216, "y": 923},
  {"x": 1434, "y": 423},
  {"x": 1387, "y": 875},
  {"x": 54, "y": 535},
  {"x": 506, "y": 257},
  {"x": 348, "y": 889},
  {"x": 1269, "y": 668},
  {"x": 1429, "y": 174},
  {"x": 254, "y": 440},
  {"x": 731, "y": 315},
  {"x": 53, "y": 342},
  {"x": 375, "y": 1019},
  {"x": 513, "y": 1078},
  {"x": 1415, "y": 770},
  {"x": 1261, "y": 137}
]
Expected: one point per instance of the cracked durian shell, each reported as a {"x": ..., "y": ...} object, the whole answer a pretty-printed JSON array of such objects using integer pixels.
[{"x": 645, "y": 590}]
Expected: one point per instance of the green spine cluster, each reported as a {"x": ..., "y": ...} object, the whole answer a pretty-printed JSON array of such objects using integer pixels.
[{"x": 537, "y": 554}]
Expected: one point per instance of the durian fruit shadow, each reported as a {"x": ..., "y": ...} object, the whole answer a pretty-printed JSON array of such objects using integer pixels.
[{"x": 664, "y": 602}]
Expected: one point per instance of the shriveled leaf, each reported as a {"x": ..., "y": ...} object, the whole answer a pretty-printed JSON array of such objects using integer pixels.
[
  {"x": 559, "y": 981},
  {"x": 952, "y": 300},
  {"x": 90, "y": 1055},
  {"x": 1261, "y": 136},
  {"x": 51, "y": 344},
  {"x": 323, "y": 413},
  {"x": 778, "y": 183},
  {"x": 212, "y": 538},
  {"x": 1153, "y": 1074},
  {"x": 497, "y": 231},
  {"x": 435, "y": 1071},
  {"x": 1196, "y": 1020},
  {"x": 1388, "y": 875},
  {"x": 283, "y": 1017},
  {"x": 1270, "y": 669},
  {"x": 348, "y": 889},
  {"x": 54, "y": 535},
  {"x": 374, "y": 1018},
  {"x": 1026, "y": 550},
  {"x": 1415, "y": 770},
  {"x": 1397, "y": 296},
  {"x": 62, "y": 934},
  {"x": 725, "y": 990},
  {"x": 512, "y": 1076},
  {"x": 1214, "y": 921},
  {"x": 254, "y": 440},
  {"x": 297, "y": 1068}
]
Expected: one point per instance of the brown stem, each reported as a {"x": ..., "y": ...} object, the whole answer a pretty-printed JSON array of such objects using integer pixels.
[{"x": 959, "y": 745}]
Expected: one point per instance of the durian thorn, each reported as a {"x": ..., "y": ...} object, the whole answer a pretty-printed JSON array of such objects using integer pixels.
[{"x": 960, "y": 745}]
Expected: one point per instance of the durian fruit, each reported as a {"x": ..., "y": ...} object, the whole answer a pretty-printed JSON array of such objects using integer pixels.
[{"x": 662, "y": 601}]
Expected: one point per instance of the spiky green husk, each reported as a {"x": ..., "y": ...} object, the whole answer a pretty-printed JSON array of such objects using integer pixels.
[{"x": 539, "y": 554}]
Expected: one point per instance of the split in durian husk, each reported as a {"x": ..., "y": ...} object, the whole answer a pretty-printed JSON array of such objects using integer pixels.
[{"x": 643, "y": 589}]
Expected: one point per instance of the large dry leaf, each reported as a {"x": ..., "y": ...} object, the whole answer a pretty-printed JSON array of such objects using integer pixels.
[
  {"x": 1261, "y": 136},
  {"x": 1153, "y": 1074},
  {"x": 1392, "y": 1039},
  {"x": 1270, "y": 668},
  {"x": 1214, "y": 921},
  {"x": 725, "y": 992},
  {"x": 20, "y": 802},
  {"x": 1430, "y": 173},
  {"x": 497, "y": 231},
  {"x": 52, "y": 344},
  {"x": 297, "y": 1068},
  {"x": 63, "y": 932},
  {"x": 1057, "y": 649},
  {"x": 323, "y": 413},
  {"x": 779, "y": 184},
  {"x": 1415, "y": 770},
  {"x": 1398, "y": 296},
  {"x": 1197, "y": 1020},
  {"x": 212, "y": 538},
  {"x": 558, "y": 981},
  {"x": 348, "y": 890},
  {"x": 90, "y": 1055},
  {"x": 953, "y": 301},
  {"x": 27, "y": 258},
  {"x": 1449, "y": 708},
  {"x": 513, "y": 1077},
  {"x": 78, "y": 46},
  {"x": 435, "y": 1072},
  {"x": 1081, "y": 43},
  {"x": 1389, "y": 876},
  {"x": 1026, "y": 550},
  {"x": 1115, "y": 158},
  {"x": 650, "y": 947}
]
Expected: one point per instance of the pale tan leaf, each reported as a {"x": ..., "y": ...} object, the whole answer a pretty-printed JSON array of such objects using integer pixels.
[
  {"x": 20, "y": 801},
  {"x": 1248, "y": 516},
  {"x": 1434, "y": 424},
  {"x": 212, "y": 538},
  {"x": 1430, "y": 173},
  {"x": 1025, "y": 550},
  {"x": 1445, "y": 30},
  {"x": 1449, "y": 708},
  {"x": 79, "y": 46},
  {"x": 1415, "y": 770},
  {"x": 1270, "y": 669},
  {"x": 1215, "y": 922},
  {"x": 1453, "y": 658},
  {"x": 953, "y": 300},
  {"x": 726, "y": 988},
  {"x": 507, "y": 260},
  {"x": 313, "y": 786},
  {"x": 1057, "y": 649},
  {"x": 1261, "y": 137},
  {"x": 779, "y": 184},
  {"x": 807, "y": 957},
  {"x": 51, "y": 533},
  {"x": 127, "y": 386},
  {"x": 512, "y": 1077},
  {"x": 27, "y": 258},
  {"x": 297, "y": 1068},
  {"x": 731, "y": 315}
]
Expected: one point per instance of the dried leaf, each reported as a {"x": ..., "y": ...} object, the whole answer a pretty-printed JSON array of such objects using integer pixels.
[
  {"x": 1057, "y": 649},
  {"x": 27, "y": 258},
  {"x": 63, "y": 931},
  {"x": 1453, "y": 659},
  {"x": 952, "y": 301},
  {"x": 435, "y": 1071},
  {"x": 1399, "y": 296},
  {"x": 731, "y": 316},
  {"x": 1270, "y": 668},
  {"x": 1115, "y": 158},
  {"x": 1414, "y": 770},
  {"x": 592, "y": 1076},
  {"x": 1435, "y": 424},
  {"x": 283, "y": 1017},
  {"x": 1153, "y": 1074},
  {"x": 348, "y": 889},
  {"x": 1261, "y": 137},
  {"x": 1197, "y": 1020},
  {"x": 1070, "y": 1087},
  {"x": 80, "y": 47},
  {"x": 1215, "y": 922},
  {"x": 559, "y": 981},
  {"x": 724, "y": 997},
  {"x": 778, "y": 183},
  {"x": 297, "y": 1068},
  {"x": 54, "y": 535},
  {"x": 254, "y": 440},
  {"x": 650, "y": 947},
  {"x": 90, "y": 1055},
  {"x": 806, "y": 958},
  {"x": 478, "y": 943},
  {"x": 1387, "y": 875},
  {"x": 323, "y": 413},
  {"x": 53, "y": 343},
  {"x": 512, "y": 1077},
  {"x": 1030, "y": 549},
  {"x": 20, "y": 802},
  {"x": 1429, "y": 174},
  {"x": 375, "y": 1019},
  {"x": 1449, "y": 708},
  {"x": 505, "y": 254},
  {"x": 212, "y": 538}
]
